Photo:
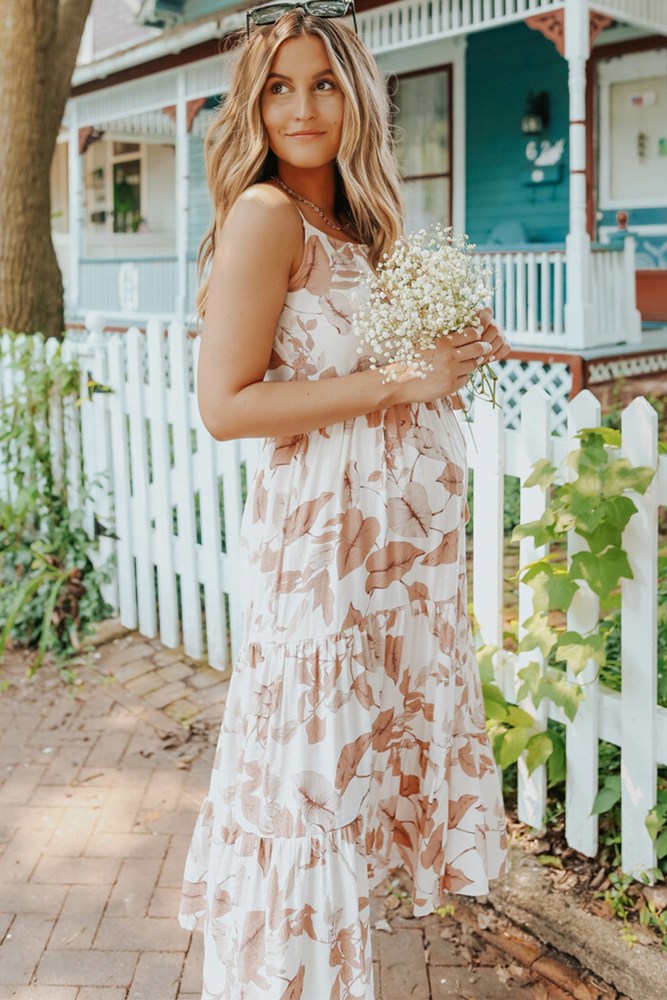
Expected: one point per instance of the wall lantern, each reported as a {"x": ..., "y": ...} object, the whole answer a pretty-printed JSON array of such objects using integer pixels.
[{"x": 537, "y": 114}]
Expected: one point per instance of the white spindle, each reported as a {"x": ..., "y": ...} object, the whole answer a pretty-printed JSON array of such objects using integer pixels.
[
  {"x": 531, "y": 264},
  {"x": 639, "y": 432},
  {"x": 545, "y": 294}
]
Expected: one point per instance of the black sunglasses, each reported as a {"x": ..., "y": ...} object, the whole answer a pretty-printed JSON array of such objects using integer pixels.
[{"x": 269, "y": 13}]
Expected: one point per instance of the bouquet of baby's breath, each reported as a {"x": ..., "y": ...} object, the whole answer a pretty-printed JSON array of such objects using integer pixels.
[{"x": 430, "y": 286}]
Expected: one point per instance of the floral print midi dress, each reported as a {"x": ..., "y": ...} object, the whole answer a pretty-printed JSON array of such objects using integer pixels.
[{"x": 353, "y": 738}]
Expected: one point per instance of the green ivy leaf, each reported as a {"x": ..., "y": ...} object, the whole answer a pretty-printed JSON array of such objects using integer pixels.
[
  {"x": 561, "y": 589},
  {"x": 566, "y": 695},
  {"x": 542, "y": 531},
  {"x": 518, "y": 717},
  {"x": 539, "y": 749},
  {"x": 602, "y": 572},
  {"x": 576, "y": 650},
  {"x": 496, "y": 706},
  {"x": 621, "y": 475},
  {"x": 538, "y": 635},
  {"x": 485, "y": 656},
  {"x": 513, "y": 744},
  {"x": 543, "y": 474},
  {"x": 608, "y": 435},
  {"x": 608, "y": 795}
]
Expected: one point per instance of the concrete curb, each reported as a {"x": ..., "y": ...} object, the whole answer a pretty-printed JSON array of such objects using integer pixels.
[{"x": 526, "y": 897}]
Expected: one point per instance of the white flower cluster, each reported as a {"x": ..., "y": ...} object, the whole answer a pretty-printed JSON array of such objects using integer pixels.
[{"x": 428, "y": 287}]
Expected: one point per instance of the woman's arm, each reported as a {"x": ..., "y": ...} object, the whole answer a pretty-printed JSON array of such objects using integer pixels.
[{"x": 258, "y": 247}]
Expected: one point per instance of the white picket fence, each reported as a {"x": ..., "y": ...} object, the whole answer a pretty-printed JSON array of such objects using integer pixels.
[{"x": 174, "y": 500}]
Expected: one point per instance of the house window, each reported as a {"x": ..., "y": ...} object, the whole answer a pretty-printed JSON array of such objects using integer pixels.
[
  {"x": 423, "y": 145},
  {"x": 633, "y": 131},
  {"x": 126, "y": 173}
]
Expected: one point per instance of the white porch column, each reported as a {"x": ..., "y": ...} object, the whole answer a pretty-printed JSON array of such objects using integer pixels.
[
  {"x": 578, "y": 324},
  {"x": 75, "y": 212},
  {"x": 182, "y": 198}
]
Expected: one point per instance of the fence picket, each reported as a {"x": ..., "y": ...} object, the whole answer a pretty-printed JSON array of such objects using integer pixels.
[
  {"x": 142, "y": 529},
  {"x": 583, "y": 732},
  {"x": 488, "y": 526},
  {"x": 639, "y": 631},
  {"x": 211, "y": 562},
  {"x": 186, "y": 543},
  {"x": 161, "y": 502},
  {"x": 535, "y": 444},
  {"x": 120, "y": 468}
]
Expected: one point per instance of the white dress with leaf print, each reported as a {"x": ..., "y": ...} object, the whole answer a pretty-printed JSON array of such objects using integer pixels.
[{"x": 353, "y": 738}]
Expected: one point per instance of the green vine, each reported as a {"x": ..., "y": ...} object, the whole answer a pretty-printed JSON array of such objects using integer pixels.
[{"x": 50, "y": 591}]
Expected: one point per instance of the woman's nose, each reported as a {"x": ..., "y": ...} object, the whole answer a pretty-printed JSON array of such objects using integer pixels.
[{"x": 305, "y": 107}]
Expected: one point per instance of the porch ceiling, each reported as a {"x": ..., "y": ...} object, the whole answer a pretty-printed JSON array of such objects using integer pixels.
[{"x": 649, "y": 14}]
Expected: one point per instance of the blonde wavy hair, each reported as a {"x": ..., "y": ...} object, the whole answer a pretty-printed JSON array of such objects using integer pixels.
[{"x": 237, "y": 151}]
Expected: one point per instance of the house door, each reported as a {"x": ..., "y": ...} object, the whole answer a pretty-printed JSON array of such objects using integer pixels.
[{"x": 423, "y": 135}]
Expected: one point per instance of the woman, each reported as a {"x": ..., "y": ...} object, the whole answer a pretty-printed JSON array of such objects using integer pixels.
[{"x": 353, "y": 738}]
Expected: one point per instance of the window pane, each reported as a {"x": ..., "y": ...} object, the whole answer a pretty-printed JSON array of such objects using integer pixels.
[
  {"x": 126, "y": 196},
  {"x": 121, "y": 148},
  {"x": 422, "y": 138},
  {"x": 638, "y": 152},
  {"x": 426, "y": 202}
]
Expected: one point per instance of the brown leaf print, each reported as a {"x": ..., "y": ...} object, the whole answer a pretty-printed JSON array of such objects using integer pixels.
[
  {"x": 419, "y": 592},
  {"x": 389, "y": 564},
  {"x": 433, "y": 856},
  {"x": 260, "y": 500},
  {"x": 252, "y": 949},
  {"x": 383, "y": 730},
  {"x": 392, "y": 656},
  {"x": 287, "y": 581},
  {"x": 316, "y": 729},
  {"x": 351, "y": 482},
  {"x": 363, "y": 691},
  {"x": 357, "y": 537},
  {"x": 452, "y": 479},
  {"x": 302, "y": 519},
  {"x": 294, "y": 989},
  {"x": 410, "y": 515},
  {"x": 337, "y": 308},
  {"x": 286, "y": 449},
  {"x": 314, "y": 274},
  {"x": 458, "y": 808},
  {"x": 349, "y": 759},
  {"x": 454, "y": 879},
  {"x": 320, "y": 802},
  {"x": 424, "y": 440},
  {"x": 446, "y": 552}
]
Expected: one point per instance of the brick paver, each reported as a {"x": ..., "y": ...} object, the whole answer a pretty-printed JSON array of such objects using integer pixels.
[{"x": 99, "y": 790}]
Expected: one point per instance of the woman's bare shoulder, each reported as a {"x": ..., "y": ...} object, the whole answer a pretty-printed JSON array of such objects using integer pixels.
[{"x": 266, "y": 216}]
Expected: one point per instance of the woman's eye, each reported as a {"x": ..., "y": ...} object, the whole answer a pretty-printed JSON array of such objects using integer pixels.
[
  {"x": 273, "y": 90},
  {"x": 327, "y": 83}
]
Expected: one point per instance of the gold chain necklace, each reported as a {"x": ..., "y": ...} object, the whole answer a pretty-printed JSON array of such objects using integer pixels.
[{"x": 306, "y": 202}]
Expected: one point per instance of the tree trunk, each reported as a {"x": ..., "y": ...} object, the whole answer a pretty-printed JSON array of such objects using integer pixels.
[{"x": 39, "y": 42}]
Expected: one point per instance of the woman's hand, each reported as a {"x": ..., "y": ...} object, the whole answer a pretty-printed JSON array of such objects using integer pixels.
[
  {"x": 454, "y": 358},
  {"x": 493, "y": 334}
]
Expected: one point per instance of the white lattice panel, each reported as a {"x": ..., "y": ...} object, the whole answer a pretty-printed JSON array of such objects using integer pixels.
[
  {"x": 517, "y": 377},
  {"x": 643, "y": 364}
]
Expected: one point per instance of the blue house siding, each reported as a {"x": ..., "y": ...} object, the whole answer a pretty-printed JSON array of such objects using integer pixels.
[{"x": 502, "y": 67}]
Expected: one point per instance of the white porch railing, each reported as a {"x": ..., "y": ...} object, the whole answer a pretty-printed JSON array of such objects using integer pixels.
[
  {"x": 649, "y": 14},
  {"x": 531, "y": 295},
  {"x": 410, "y": 21},
  {"x": 174, "y": 501},
  {"x": 529, "y": 301}
]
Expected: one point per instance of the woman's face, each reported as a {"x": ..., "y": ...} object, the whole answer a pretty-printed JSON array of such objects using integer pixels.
[{"x": 302, "y": 105}]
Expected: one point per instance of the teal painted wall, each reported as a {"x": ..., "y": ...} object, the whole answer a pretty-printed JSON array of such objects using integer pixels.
[
  {"x": 502, "y": 67},
  {"x": 200, "y": 8}
]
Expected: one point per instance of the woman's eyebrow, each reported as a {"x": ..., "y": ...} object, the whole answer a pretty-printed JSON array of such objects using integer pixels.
[{"x": 282, "y": 76}]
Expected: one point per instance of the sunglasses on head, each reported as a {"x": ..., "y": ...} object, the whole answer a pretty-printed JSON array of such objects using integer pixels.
[{"x": 269, "y": 13}]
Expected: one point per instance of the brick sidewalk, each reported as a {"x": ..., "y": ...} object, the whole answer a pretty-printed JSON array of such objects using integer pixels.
[{"x": 98, "y": 796}]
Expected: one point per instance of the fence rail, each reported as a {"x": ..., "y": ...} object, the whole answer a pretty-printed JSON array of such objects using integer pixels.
[{"x": 173, "y": 499}]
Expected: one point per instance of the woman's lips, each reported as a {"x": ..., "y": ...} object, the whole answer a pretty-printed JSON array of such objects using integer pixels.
[{"x": 305, "y": 135}]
